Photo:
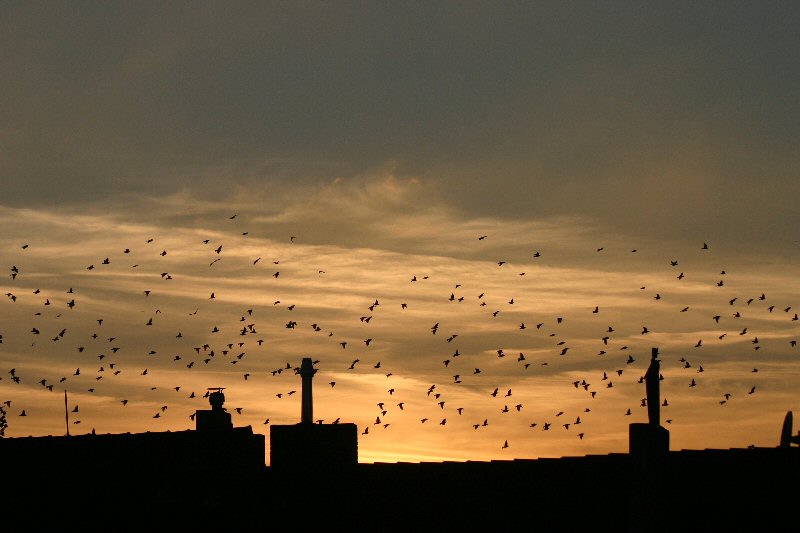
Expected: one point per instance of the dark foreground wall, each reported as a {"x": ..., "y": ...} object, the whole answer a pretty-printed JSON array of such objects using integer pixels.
[
  {"x": 129, "y": 481},
  {"x": 313, "y": 446},
  {"x": 217, "y": 481},
  {"x": 731, "y": 490},
  {"x": 704, "y": 490},
  {"x": 521, "y": 495}
]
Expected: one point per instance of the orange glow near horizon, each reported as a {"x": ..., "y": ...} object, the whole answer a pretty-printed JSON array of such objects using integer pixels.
[{"x": 144, "y": 328}]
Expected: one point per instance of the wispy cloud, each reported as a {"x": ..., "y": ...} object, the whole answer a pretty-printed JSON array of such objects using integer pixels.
[{"x": 424, "y": 264}]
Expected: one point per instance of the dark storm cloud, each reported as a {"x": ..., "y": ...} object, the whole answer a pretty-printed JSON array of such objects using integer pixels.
[{"x": 681, "y": 116}]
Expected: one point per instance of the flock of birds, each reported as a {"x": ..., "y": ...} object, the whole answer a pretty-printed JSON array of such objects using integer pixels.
[{"x": 100, "y": 355}]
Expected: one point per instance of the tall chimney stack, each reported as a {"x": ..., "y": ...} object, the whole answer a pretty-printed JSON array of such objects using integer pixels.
[
  {"x": 308, "y": 446},
  {"x": 307, "y": 373}
]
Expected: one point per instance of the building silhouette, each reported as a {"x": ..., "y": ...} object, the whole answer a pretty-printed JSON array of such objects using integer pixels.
[
  {"x": 215, "y": 477},
  {"x": 309, "y": 446}
]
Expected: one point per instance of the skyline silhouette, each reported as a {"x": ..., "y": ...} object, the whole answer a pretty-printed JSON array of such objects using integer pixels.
[
  {"x": 214, "y": 476},
  {"x": 479, "y": 219},
  {"x": 576, "y": 374}
]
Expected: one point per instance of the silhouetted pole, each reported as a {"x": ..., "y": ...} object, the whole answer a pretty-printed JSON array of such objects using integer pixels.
[
  {"x": 307, "y": 373},
  {"x": 66, "y": 411},
  {"x": 651, "y": 379}
]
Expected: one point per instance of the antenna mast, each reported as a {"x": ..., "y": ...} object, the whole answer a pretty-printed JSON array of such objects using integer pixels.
[{"x": 66, "y": 411}]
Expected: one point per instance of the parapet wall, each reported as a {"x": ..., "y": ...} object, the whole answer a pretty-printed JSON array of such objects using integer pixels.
[{"x": 313, "y": 446}]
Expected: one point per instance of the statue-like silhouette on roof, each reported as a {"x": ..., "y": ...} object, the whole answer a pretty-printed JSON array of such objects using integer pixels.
[
  {"x": 650, "y": 438},
  {"x": 651, "y": 379}
]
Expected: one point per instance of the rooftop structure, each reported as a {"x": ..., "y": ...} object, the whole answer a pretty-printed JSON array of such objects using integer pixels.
[
  {"x": 310, "y": 446},
  {"x": 215, "y": 477},
  {"x": 217, "y": 418}
]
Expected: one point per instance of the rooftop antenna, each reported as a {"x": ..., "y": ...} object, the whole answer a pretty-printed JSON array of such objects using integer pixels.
[
  {"x": 652, "y": 378},
  {"x": 66, "y": 411}
]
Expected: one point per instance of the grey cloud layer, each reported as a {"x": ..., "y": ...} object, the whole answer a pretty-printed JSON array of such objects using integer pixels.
[{"x": 678, "y": 118}]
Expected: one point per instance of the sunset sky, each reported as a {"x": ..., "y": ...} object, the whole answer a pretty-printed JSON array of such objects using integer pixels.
[{"x": 302, "y": 161}]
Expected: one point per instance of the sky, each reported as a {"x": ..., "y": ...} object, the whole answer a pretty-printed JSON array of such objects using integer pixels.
[{"x": 533, "y": 178}]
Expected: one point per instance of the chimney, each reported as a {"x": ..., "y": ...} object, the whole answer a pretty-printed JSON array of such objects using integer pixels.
[
  {"x": 310, "y": 447},
  {"x": 216, "y": 418},
  {"x": 307, "y": 373}
]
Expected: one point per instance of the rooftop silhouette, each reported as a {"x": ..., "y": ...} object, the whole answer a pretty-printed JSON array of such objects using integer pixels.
[
  {"x": 215, "y": 476},
  {"x": 310, "y": 446}
]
